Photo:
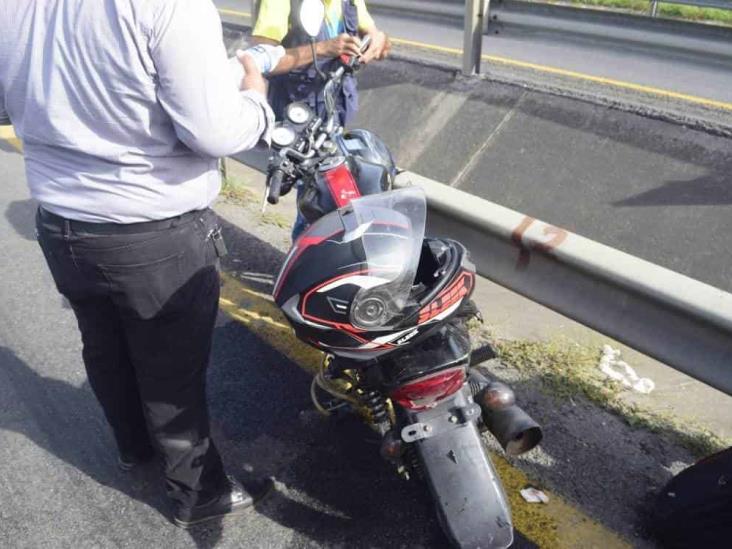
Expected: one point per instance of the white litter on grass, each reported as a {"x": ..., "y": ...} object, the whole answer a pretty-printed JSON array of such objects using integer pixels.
[
  {"x": 532, "y": 495},
  {"x": 618, "y": 370}
]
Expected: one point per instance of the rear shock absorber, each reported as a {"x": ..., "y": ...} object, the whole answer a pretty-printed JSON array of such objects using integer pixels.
[{"x": 375, "y": 403}]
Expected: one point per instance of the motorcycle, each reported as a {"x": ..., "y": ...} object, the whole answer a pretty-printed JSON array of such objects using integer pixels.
[{"x": 389, "y": 308}]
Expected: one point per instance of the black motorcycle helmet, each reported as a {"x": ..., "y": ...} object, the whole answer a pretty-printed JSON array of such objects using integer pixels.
[{"x": 362, "y": 281}]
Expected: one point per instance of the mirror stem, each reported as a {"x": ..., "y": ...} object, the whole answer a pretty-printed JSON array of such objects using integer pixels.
[{"x": 315, "y": 60}]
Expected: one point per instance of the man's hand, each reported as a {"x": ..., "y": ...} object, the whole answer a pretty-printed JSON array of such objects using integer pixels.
[
  {"x": 253, "y": 79},
  {"x": 344, "y": 43},
  {"x": 379, "y": 48}
]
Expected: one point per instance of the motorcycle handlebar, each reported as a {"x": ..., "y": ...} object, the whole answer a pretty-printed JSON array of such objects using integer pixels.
[
  {"x": 275, "y": 186},
  {"x": 352, "y": 61}
]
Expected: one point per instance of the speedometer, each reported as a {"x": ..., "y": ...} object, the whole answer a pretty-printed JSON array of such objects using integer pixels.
[
  {"x": 283, "y": 136},
  {"x": 298, "y": 113}
]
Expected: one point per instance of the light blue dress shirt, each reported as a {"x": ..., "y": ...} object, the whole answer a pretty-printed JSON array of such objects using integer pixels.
[{"x": 123, "y": 106}]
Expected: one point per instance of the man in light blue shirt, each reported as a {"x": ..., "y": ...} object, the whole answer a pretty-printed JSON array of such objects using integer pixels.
[{"x": 124, "y": 107}]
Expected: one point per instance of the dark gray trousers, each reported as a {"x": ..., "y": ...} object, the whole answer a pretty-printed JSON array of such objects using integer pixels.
[{"x": 146, "y": 297}]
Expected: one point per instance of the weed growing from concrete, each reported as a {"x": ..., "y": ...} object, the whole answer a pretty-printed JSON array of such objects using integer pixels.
[
  {"x": 567, "y": 370},
  {"x": 235, "y": 191},
  {"x": 276, "y": 219}
]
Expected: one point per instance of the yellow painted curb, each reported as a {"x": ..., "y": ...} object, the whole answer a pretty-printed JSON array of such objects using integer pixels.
[
  {"x": 555, "y": 525},
  {"x": 8, "y": 134},
  {"x": 258, "y": 312},
  {"x": 235, "y": 13}
]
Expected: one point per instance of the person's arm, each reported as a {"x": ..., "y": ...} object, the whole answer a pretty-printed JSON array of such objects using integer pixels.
[
  {"x": 272, "y": 27},
  {"x": 303, "y": 55},
  {"x": 195, "y": 83},
  {"x": 380, "y": 45}
]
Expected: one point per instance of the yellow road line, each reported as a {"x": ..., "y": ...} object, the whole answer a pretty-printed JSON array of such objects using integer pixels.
[
  {"x": 433, "y": 47},
  {"x": 615, "y": 83},
  {"x": 235, "y": 13},
  {"x": 554, "y": 525},
  {"x": 610, "y": 82},
  {"x": 576, "y": 75},
  {"x": 259, "y": 313},
  {"x": 8, "y": 134}
]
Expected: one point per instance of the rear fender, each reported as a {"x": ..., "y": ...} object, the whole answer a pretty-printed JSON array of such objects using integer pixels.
[{"x": 470, "y": 500}]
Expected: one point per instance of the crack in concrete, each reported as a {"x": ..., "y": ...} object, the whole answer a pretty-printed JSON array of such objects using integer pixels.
[{"x": 487, "y": 143}]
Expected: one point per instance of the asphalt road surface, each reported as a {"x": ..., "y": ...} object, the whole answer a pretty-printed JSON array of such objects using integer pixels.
[
  {"x": 60, "y": 487},
  {"x": 651, "y": 188},
  {"x": 59, "y": 483}
]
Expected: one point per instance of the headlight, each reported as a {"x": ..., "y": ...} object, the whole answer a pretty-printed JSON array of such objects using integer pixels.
[
  {"x": 298, "y": 113},
  {"x": 283, "y": 136}
]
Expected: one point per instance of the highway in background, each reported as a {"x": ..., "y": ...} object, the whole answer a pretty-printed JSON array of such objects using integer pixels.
[
  {"x": 681, "y": 71},
  {"x": 655, "y": 189}
]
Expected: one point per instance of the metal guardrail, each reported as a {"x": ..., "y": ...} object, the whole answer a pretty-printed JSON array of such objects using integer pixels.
[
  {"x": 453, "y": 8},
  {"x": 480, "y": 17},
  {"x": 675, "y": 319},
  {"x": 653, "y": 35},
  {"x": 678, "y": 320}
]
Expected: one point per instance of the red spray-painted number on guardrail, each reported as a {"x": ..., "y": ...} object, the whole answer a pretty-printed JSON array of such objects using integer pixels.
[{"x": 555, "y": 238}]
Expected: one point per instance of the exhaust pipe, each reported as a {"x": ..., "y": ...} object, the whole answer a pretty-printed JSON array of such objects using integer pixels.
[{"x": 514, "y": 429}]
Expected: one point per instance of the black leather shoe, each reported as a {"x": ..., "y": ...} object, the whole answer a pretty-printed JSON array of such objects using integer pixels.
[
  {"x": 128, "y": 462},
  {"x": 234, "y": 500}
]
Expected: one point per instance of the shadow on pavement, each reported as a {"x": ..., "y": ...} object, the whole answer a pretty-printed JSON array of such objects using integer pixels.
[
  {"x": 66, "y": 422},
  {"x": 709, "y": 190},
  {"x": 21, "y": 215},
  {"x": 332, "y": 486},
  {"x": 591, "y": 457}
]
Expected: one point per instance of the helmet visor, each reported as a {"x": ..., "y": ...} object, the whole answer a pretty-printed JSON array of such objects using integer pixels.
[{"x": 390, "y": 227}]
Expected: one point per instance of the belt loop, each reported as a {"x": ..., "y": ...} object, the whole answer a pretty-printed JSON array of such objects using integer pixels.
[{"x": 67, "y": 229}]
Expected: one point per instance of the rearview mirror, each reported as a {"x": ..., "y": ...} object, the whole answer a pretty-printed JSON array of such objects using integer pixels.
[{"x": 312, "y": 14}]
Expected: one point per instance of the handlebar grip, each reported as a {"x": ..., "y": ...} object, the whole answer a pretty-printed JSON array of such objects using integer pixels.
[
  {"x": 351, "y": 61},
  {"x": 275, "y": 185},
  {"x": 365, "y": 43}
]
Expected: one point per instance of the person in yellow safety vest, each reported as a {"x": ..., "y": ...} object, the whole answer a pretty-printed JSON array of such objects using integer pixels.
[{"x": 295, "y": 78}]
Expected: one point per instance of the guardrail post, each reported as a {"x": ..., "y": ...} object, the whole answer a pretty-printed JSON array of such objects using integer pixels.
[
  {"x": 654, "y": 8},
  {"x": 473, "y": 35}
]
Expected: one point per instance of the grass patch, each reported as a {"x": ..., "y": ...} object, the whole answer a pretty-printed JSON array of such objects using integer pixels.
[
  {"x": 235, "y": 191},
  {"x": 276, "y": 219},
  {"x": 567, "y": 369},
  {"x": 675, "y": 11}
]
